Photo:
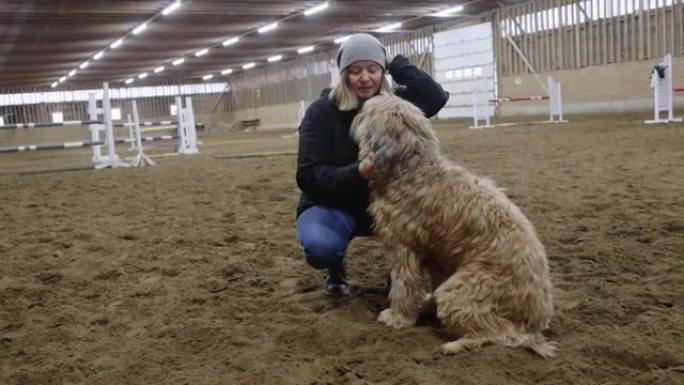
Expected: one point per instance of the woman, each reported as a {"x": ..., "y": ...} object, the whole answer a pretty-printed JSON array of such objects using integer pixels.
[{"x": 334, "y": 185}]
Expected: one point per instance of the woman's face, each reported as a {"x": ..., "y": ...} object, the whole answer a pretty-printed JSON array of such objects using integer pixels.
[{"x": 364, "y": 78}]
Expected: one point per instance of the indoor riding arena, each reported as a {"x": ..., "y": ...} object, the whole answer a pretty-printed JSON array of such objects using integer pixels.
[{"x": 148, "y": 162}]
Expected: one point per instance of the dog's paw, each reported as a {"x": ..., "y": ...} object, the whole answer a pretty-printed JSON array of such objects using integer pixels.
[
  {"x": 463, "y": 345},
  {"x": 394, "y": 319},
  {"x": 451, "y": 348}
]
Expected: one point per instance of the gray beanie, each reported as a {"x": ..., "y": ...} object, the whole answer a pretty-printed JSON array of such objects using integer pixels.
[{"x": 361, "y": 46}]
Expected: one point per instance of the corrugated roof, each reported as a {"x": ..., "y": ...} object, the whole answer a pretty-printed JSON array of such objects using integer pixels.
[{"x": 42, "y": 40}]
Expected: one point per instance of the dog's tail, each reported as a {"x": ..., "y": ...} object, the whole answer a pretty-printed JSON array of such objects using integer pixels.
[{"x": 535, "y": 342}]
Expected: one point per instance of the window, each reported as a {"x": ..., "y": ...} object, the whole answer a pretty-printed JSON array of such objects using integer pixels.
[
  {"x": 569, "y": 15},
  {"x": 57, "y": 117},
  {"x": 20, "y": 99}
]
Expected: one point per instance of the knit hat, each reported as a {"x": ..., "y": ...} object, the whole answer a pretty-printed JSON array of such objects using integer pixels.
[{"x": 361, "y": 46}]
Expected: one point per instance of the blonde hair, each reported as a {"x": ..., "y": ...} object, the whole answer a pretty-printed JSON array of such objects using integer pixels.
[{"x": 345, "y": 99}]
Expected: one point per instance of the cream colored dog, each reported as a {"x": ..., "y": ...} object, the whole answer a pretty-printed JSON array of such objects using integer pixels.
[{"x": 451, "y": 236}]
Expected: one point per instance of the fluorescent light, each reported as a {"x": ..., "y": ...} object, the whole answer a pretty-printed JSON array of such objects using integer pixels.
[
  {"x": 249, "y": 65},
  {"x": 207, "y": 77},
  {"x": 142, "y": 75},
  {"x": 342, "y": 39},
  {"x": 62, "y": 79},
  {"x": 269, "y": 27},
  {"x": 98, "y": 55},
  {"x": 305, "y": 49},
  {"x": 129, "y": 81},
  {"x": 84, "y": 64},
  {"x": 202, "y": 52},
  {"x": 227, "y": 71},
  {"x": 116, "y": 43},
  {"x": 53, "y": 85},
  {"x": 171, "y": 8},
  {"x": 388, "y": 28},
  {"x": 140, "y": 28},
  {"x": 274, "y": 58},
  {"x": 71, "y": 73},
  {"x": 178, "y": 61},
  {"x": 316, "y": 9},
  {"x": 158, "y": 69},
  {"x": 230, "y": 41},
  {"x": 448, "y": 12}
]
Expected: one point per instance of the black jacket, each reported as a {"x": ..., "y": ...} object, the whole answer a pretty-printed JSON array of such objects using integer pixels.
[{"x": 327, "y": 164}]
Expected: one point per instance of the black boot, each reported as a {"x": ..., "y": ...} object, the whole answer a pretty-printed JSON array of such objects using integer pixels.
[{"x": 336, "y": 282}]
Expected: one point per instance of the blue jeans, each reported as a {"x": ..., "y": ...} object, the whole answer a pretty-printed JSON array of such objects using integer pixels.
[{"x": 325, "y": 233}]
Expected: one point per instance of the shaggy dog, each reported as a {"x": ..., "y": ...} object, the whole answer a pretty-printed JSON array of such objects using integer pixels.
[{"x": 452, "y": 237}]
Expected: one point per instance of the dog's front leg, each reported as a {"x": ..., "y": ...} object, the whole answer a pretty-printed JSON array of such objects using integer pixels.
[{"x": 408, "y": 289}]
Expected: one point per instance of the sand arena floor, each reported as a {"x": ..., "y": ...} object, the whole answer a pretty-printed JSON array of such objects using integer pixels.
[{"x": 190, "y": 273}]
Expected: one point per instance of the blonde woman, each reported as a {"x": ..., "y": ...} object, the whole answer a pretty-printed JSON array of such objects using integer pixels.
[{"x": 332, "y": 206}]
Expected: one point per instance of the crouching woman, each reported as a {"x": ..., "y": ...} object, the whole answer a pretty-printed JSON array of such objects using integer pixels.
[{"x": 333, "y": 183}]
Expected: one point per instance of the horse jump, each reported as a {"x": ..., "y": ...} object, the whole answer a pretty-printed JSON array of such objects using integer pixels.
[
  {"x": 100, "y": 119},
  {"x": 482, "y": 111}
]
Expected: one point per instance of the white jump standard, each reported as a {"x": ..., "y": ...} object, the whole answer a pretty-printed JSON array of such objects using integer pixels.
[
  {"x": 661, "y": 81},
  {"x": 140, "y": 160},
  {"x": 186, "y": 134},
  {"x": 111, "y": 159},
  {"x": 186, "y": 127}
]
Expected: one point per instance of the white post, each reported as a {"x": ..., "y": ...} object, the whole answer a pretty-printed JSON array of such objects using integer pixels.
[
  {"x": 112, "y": 159},
  {"x": 131, "y": 136},
  {"x": 476, "y": 118},
  {"x": 668, "y": 84},
  {"x": 334, "y": 73},
  {"x": 663, "y": 99},
  {"x": 94, "y": 128},
  {"x": 560, "y": 103},
  {"x": 140, "y": 160},
  {"x": 552, "y": 98},
  {"x": 180, "y": 113},
  {"x": 480, "y": 108},
  {"x": 555, "y": 101},
  {"x": 655, "y": 83},
  {"x": 190, "y": 128},
  {"x": 106, "y": 106},
  {"x": 301, "y": 112}
]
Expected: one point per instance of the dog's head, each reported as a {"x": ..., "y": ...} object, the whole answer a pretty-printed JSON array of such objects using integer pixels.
[{"x": 393, "y": 133}]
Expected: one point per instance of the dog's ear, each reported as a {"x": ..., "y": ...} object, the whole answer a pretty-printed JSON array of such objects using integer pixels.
[
  {"x": 417, "y": 136},
  {"x": 414, "y": 120},
  {"x": 356, "y": 131},
  {"x": 384, "y": 149},
  {"x": 377, "y": 129}
]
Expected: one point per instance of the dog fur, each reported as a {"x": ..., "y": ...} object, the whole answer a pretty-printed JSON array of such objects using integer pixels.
[{"x": 451, "y": 236}]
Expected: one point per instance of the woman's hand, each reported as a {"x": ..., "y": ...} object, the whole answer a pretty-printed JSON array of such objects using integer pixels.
[{"x": 366, "y": 169}]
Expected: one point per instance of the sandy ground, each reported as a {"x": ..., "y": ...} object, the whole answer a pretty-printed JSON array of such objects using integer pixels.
[{"x": 190, "y": 273}]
